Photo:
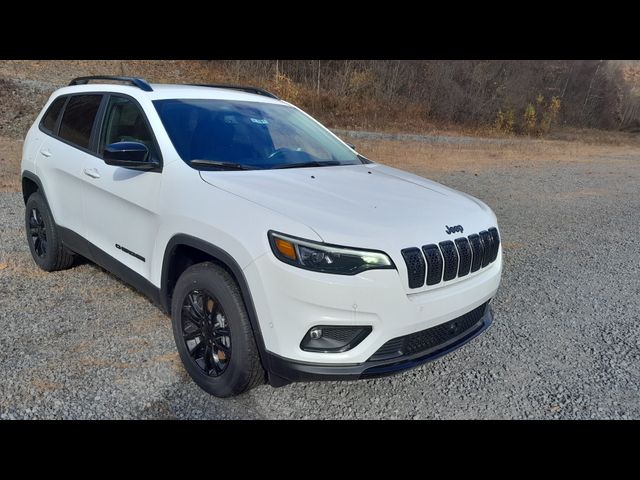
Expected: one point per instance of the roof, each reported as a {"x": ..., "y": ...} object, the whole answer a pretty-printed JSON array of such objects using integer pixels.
[{"x": 163, "y": 91}]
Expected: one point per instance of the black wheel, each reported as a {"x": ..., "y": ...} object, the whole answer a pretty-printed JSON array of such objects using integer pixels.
[
  {"x": 213, "y": 333},
  {"x": 44, "y": 242}
]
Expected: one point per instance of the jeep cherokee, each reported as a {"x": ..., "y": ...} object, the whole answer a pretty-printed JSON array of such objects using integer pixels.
[{"x": 281, "y": 253}]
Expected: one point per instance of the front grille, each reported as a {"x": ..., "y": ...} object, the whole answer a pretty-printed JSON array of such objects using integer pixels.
[
  {"x": 487, "y": 241},
  {"x": 450, "y": 255},
  {"x": 448, "y": 260},
  {"x": 434, "y": 264},
  {"x": 415, "y": 266},
  {"x": 465, "y": 256},
  {"x": 496, "y": 243},
  {"x": 430, "y": 338},
  {"x": 477, "y": 252}
]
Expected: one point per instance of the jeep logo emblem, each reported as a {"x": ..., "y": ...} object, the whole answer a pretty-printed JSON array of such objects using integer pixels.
[{"x": 455, "y": 228}]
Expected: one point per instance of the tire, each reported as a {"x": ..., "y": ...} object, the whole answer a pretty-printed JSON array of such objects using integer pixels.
[
  {"x": 221, "y": 357},
  {"x": 43, "y": 237}
]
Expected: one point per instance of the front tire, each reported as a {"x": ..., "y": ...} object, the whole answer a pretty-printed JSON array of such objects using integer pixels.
[
  {"x": 43, "y": 238},
  {"x": 212, "y": 332}
]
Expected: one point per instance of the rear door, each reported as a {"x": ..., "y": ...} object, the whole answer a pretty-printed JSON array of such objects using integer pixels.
[
  {"x": 120, "y": 205},
  {"x": 62, "y": 154}
]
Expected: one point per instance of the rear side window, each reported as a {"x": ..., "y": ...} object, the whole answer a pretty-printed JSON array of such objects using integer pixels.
[
  {"x": 78, "y": 118},
  {"x": 51, "y": 117}
]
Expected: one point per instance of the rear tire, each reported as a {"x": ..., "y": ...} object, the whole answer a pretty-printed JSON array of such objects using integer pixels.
[
  {"x": 213, "y": 333},
  {"x": 43, "y": 237}
]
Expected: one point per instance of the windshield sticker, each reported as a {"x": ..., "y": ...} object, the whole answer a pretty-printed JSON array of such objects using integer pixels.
[{"x": 261, "y": 121}]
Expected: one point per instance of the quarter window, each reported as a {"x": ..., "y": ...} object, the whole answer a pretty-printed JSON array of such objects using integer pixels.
[
  {"x": 78, "y": 118},
  {"x": 51, "y": 117},
  {"x": 124, "y": 122}
]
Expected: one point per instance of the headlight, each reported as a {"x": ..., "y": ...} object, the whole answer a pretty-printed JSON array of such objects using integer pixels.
[{"x": 322, "y": 257}]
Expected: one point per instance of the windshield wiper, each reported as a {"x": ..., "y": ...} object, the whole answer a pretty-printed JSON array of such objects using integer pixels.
[
  {"x": 327, "y": 163},
  {"x": 220, "y": 165}
]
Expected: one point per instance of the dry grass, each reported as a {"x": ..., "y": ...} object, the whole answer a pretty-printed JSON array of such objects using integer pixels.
[
  {"x": 10, "y": 154},
  {"x": 422, "y": 157}
]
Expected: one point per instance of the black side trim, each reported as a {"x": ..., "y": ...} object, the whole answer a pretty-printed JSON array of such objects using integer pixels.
[
  {"x": 80, "y": 245},
  {"x": 133, "y": 254},
  {"x": 228, "y": 260}
]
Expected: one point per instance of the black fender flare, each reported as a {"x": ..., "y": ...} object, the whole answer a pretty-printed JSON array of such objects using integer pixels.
[
  {"x": 34, "y": 178},
  {"x": 225, "y": 258}
]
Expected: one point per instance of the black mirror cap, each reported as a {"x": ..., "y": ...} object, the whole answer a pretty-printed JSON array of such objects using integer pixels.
[
  {"x": 134, "y": 155},
  {"x": 351, "y": 145}
]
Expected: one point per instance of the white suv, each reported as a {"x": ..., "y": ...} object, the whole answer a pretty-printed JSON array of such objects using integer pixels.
[{"x": 281, "y": 253}]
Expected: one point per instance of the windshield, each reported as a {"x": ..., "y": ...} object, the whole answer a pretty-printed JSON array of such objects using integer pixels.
[{"x": 222, "y": 134}]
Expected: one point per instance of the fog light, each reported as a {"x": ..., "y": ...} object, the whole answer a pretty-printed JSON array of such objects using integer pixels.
[
  {"x": 334, "y": 339},
  {"x": 315, "y": 333}
]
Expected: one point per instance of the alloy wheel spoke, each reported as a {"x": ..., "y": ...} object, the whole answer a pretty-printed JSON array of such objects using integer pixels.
[
  {"x": 197, "y": 349},
  {"x": 208, "y": 351},
  {"x": 221, "y": 332},
  {"x": 37, "y": 246},
  {"x": 205, "y": 332},
  {"x": 218, "y": 366},
  {"x": 193, "y": 335},
  {"x": 195, "y": 308},
  {"x": 221, "y": 346}
]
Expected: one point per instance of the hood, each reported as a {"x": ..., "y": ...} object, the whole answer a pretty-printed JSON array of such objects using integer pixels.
[{"x": 366, "y": 206}]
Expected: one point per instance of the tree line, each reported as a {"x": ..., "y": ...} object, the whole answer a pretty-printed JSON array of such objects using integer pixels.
[{"x": 519, "y": 96}]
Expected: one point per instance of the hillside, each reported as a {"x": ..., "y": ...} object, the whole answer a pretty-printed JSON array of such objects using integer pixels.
[{"x": 536, "y": 98}]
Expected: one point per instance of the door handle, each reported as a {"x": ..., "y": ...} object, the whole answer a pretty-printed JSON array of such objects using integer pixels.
[
  {"x": 92, "y": 172},
  {"x": 45, "y": 153}
]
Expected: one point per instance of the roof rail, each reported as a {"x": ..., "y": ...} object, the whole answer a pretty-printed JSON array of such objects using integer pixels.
[
  {"x": 136, "y": 82},
  {"x": 257, "y": 91}
]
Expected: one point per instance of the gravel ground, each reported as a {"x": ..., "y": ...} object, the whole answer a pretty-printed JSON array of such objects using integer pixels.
[
  {"x": 565, "y": 342},
  {"x": 411, "y": 137}
]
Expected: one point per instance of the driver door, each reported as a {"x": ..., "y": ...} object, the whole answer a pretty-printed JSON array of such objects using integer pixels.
[{"x": 121, "y": 205}]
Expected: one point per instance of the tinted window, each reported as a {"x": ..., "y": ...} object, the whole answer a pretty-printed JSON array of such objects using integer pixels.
[
  {"x": 124, "y": 122},
  {"x": 51, "y": 117},
  {"x": 256, "y": 135},
  {"x": 78, "y": 117}
]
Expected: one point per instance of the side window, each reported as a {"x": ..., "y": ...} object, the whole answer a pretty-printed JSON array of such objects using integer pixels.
[
  {"x": 51, "y": 117},
  {"x": 78, "y": 118},
  {"x": 124, "y": 122}
]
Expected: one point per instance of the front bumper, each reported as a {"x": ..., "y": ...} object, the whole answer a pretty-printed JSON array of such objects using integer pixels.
[
  {"x": 289, "y": 301},
  {"x": 283, "y": 371}
]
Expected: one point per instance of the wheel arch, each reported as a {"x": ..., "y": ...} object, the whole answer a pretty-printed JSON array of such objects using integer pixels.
[
  {"x": 184, "y": 250},
  {"x": 31, "y": 184}
]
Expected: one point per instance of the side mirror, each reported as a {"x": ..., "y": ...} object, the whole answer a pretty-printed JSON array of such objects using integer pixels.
[
  {"x": 351, "y": 145},
  {"x": 134, "y": 155}
]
